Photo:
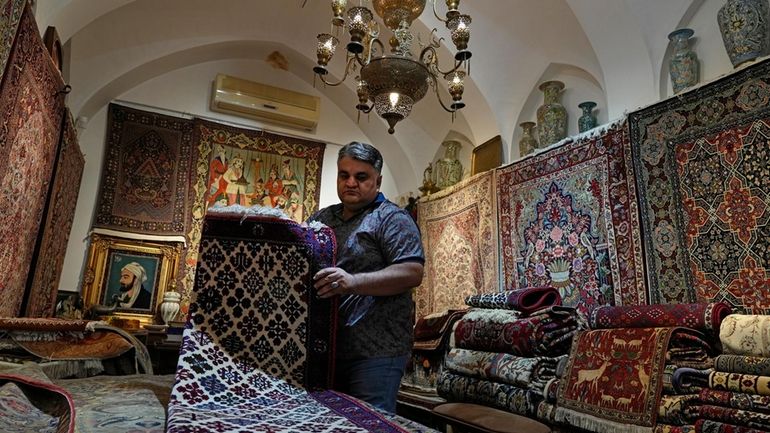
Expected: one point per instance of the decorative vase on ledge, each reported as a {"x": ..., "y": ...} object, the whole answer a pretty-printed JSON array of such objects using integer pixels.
[
  {"x": 527, "y": 143},
  {"x": 551, "y": 116},
  {"x": 744, "y": 28},
  {"x": 683, "y": 66},
  {"x": 587, "y": 121},
  {"x": 169, "y": 308}
]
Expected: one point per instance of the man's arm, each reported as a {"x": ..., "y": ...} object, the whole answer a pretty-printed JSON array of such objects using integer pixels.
[{"x": 392, "y": 280}]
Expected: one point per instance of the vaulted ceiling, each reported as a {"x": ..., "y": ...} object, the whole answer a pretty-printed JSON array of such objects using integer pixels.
[{"x": 616, "y": 47}]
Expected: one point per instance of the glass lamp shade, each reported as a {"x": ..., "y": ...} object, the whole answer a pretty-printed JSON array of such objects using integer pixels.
[
  {"x": 460, "y": 29},
  {"x": 393, "y": 107},
  {"x": 358, "y": 25},
  {"x": 363, "y": 96},
  {"x": 456, "y": 88},
  {"x": 327, "y": 44},
  {"x": 338, "y": 7}
]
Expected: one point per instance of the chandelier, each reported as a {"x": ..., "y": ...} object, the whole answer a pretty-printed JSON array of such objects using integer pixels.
[{"x": 394, "y": 82}]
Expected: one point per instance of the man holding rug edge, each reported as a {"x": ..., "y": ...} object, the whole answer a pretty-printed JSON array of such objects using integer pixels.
[{"x": 379, "y": 260}]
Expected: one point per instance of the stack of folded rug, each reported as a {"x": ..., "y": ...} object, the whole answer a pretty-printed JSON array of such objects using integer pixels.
[
  {"x": 639, "y": 369},
  {"x": 737, "y": 395},
  {"x": 506, "y": 350}
]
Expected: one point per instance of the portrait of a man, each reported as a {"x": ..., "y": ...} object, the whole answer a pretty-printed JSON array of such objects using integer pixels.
[
  {"x": 133, "y": 294},
  {"x": 131, "y": 281}
]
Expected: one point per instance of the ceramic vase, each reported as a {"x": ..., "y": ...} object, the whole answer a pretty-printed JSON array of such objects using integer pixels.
[
  {"x": 527, "y": 143},
  {"x": 744, "y": 28},
  {"x": 683, "y": 66},
  {"x": 587, "y": 120},
  {"x": 450, "y": 169},
  {"x": 169, "y": 308},
  {"x": 551, "y": 116}
]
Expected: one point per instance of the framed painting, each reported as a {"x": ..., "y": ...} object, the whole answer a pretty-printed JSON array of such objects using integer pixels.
[
  {"x": 129, "y": 277},
  {"x": 487, "y": 155}
]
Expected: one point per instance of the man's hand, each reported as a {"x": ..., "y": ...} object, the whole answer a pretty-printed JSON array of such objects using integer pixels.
[{"x": 334, "y": 281}]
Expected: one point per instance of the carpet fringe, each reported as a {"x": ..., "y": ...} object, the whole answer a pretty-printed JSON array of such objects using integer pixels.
[
  {"x": 72, "y": 368},
  {"x": 596, "y": 424}
]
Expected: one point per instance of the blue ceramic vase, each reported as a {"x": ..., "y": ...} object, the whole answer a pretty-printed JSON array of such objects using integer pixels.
[
  {"x": 744, "y": 28},
  {"x": 587, "y": 121},
  {"x": 683, "y": 67}
]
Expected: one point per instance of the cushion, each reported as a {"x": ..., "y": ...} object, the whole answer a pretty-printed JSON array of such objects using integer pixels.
[{"x": 487, "y": 419}]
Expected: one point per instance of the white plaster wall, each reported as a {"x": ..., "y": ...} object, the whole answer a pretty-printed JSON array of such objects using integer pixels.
[{"x": 187, "y": 90}]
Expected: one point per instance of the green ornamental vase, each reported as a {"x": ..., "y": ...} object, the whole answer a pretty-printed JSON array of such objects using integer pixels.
[
  {"x": 551, "y": 116},
  {"x": 527, "y": 143},
  {"x": 744, "y": 28}
]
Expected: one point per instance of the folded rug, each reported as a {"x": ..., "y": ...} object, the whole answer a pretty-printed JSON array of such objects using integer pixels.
[
  {"x": 739, "y": 417},
  {"x": 429, "y": 331},
  {"x": 43, "y": 324},
  {"x": 678, "y": 410},
  {"x": 743, "y": 364},
  {"x": 547, "y": 333},
  {"x": 614, "y": 378},
  {"x": 27, "y": 404},
  {"x": 689, "y": 380},
  {"x": 700, "y": 316},
  {"x": 502, "y": 367},
  {"x": 746, "y": 334},
  {"x": 527, "y": 300},
  {"x": 667, "y": 428},
  {"x": 736, "y": 400},
  {"x": 546, "y": 411},
  {"x": 456, "y": 387},
  {"x": 709, "y": 426},
  {"x": 736, "y": 382},
  {"x": 689, "y": 348},
  {"x": 668, "y": 374}
]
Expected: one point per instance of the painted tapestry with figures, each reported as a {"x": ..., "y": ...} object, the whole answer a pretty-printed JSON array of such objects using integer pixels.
[
  {"x": 31, "y": 110},
  {"x": 145, "y": 186},
  {"x": 558, "y": 227},
  {"x": 459, "y": 236},
  {"x": 249, "y": 167},
  {"x": 704, "y": 164}
]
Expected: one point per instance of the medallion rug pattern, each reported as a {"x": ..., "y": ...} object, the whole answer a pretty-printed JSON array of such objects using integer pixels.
[
  {"x": 58, "y": 223},
  {"x": 216, "y": 146},
  {"x": 146, "y": 173},
  {"x": 704, "y": 162},
  {"x": 459, "y": 236},
  {"x": 31, "y": 110},
  {"x": 562, "y": 231}
]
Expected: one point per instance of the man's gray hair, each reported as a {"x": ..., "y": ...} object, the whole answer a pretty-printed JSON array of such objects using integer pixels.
[{"x": 362, "y": 152}]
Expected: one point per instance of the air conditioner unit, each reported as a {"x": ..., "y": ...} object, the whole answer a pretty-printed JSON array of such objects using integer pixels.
[{"x": 265, "y": 103}]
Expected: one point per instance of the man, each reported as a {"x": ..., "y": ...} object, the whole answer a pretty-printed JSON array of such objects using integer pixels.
[
  {"x": 379, "y": 261},
  {"x": 132, "y": 291}
]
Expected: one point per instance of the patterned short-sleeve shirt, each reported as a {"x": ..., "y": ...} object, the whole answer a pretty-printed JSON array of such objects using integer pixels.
[{"x": 379, "y": 236}]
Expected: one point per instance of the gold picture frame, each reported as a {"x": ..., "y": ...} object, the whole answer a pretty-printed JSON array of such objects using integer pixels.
[
  {"x": 152, "y": 266},
  {"x": 487, "y": 155}
]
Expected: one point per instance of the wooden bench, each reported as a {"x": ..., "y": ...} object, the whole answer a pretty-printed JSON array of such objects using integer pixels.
[{"x": 474, "y": 418}]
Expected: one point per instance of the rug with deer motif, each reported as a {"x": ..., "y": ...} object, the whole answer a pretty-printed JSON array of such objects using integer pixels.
[
  {"x": 613, "y": 379},
  {"x": 560, "y": 229}
]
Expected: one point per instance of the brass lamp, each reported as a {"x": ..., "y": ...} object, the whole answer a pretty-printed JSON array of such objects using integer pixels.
[{"x": 392, "y": 83}]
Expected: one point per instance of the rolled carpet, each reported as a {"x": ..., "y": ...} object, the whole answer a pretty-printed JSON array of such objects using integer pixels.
[
  {"x": 527, "y": 300},
  {"x": 736, "y": 400},
  {"x": 678, "y": 410},
  {"x": 701, "y": 316},
  {"x": 738, "y": 417},
  {"x": 502, "y": 367},
  {"x": 743, "y": 364},
  {"x": 735, "y": 382},
  {"x": 746, "y": 334},
  {"x": 689, "y": 380}
]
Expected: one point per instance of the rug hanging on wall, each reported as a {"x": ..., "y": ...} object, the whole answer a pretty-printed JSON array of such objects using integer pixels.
[
  {"x": 31, "y": 110},
  {"x": 459, "y": 236},
  {"x": 704, "y": 163},
  {"x": 60, "y": 213},
  {"x": 145, "y": 186},
  {"x": 10, "y": 15},
  {"x": 236, "y": 166},
  {"x": 562, "y": 230}
]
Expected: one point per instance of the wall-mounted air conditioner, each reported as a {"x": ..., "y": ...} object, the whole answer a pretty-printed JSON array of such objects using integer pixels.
[{"x": 265, "y": 103}]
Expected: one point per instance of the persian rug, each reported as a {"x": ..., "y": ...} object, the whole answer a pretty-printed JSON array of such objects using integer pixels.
[
  {"x": 678, "y": 410},
  {"x": 667, "y": 428},
  {"x": 259, "y": 180},
  {"x": 94, "y": 345},
  {"x": 43, "y": 324},
  {"x": 430, "y": 330},
  {"x": 546, "y": 411},
  {"x": 456, "y": 387},
  {"x": 133, "y": 403},
  {"x": 740, "y": 417},
  {"x": 148, "y": 164},
  {"x": 570, "y": 221},
  {"x": 459, "y": 235},
  {"x": 736, "y": 382},
  {"x": 743, "y": 334},
  {"x": 709, "y": 426},
  {"x": 613, "y": 379},
  {"x": 60, "y": 213},
  {"x": 10, "y": 15},
  {"x": 28, "y": 405},
  {"x": 700, "y": 316},
  {"x": 668, "y": 374},
  {"x": 702, "y": 160},
  {"x": 31, "y": 110},
  {"x": 756, "y": 365},
  {"x": 736, "y": 400},
  {"x": 502, "y": 367},
  {"x": 547, "y": 333},
  {"x": 526, "y": 300},
  {"x": 551, "y": 390}
]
